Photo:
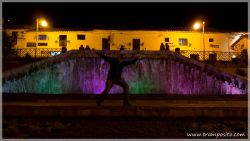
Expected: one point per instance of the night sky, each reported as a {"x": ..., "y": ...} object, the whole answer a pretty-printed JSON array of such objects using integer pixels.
[{"x": 221, "y": 16}]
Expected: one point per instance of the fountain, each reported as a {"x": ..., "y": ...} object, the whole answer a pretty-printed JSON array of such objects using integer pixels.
[{"x": 85, "y": 73}]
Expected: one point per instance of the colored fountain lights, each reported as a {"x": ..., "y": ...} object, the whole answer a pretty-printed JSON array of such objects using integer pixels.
[
  {"x": 135, "y": 87},
  {"x": 93, "y": 79},
  {"x": 146, "y": 76}
]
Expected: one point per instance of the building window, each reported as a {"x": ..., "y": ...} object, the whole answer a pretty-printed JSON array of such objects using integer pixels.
[
  {"x": 166, "y": 39},
  {"x": 42, "y": 37},
  {"x": 81, "y": 37},
  {"x": 31, "y": 44},
  {"x": 42, "y": 44},
  {"x": 214, "y": 46},
  {"x": 211, "y": 39},
  {"x": 183, "y": 41}
]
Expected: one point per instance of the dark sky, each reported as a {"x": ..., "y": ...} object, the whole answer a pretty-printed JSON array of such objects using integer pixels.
[{"x": 221, "y": 16}]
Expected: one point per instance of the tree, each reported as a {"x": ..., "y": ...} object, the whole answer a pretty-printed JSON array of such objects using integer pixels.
[{"x": 8, "y": 44}]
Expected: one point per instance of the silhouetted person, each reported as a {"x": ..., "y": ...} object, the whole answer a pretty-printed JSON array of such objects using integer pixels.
[
  {"x": 122, "y": 47},
  {"x": 81, "y": 48},
  {"x": 177, "y": 50},
  {"x": 167, "y": 47},
  {"x": 87, "y": 47},
  {"x": 114, "y": 76},
  {"x": 64, "y": 49},
  {"x": 162, "y": 47}
]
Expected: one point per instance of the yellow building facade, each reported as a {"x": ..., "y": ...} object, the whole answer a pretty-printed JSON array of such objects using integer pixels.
[{"x": 131, "y": 39}]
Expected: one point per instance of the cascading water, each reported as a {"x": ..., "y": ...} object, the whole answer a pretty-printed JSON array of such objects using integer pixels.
[{"x": 147, "y": 76}]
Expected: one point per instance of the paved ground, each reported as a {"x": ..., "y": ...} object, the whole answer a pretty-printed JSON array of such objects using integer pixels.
[
  {"x": 122, "y": 128},
  {"x": 54, "y": 124}
]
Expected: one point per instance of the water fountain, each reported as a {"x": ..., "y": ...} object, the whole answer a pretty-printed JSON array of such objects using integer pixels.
[{"x": 156, "y": 73}]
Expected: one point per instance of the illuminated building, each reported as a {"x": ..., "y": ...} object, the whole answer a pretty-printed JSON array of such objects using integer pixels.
[{"x": 52, "y": 40}]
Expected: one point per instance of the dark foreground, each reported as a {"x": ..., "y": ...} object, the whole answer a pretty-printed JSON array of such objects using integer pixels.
[
  {"x": 124, "y": 128},
  {"x": 149, "y": 117}
]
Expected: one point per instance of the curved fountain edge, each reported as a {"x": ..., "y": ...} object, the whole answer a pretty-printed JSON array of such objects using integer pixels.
[{"x": 236, "y": 80}]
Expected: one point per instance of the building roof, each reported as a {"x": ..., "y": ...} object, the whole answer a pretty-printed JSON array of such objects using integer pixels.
[
  {"x": 115, "y": 27},
  {"x": 237, "y": 41}
]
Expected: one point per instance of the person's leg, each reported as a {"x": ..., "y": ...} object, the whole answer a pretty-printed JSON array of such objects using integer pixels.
[
  {"x": 109, "y": 84},
  {"x": 125, "y": 87}
]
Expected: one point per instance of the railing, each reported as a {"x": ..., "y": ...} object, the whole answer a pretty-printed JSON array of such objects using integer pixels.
[
  {"x": 215, "y": 55},
  {"x": 198, "y": 55},
  {"x": 40, "y": 52}
]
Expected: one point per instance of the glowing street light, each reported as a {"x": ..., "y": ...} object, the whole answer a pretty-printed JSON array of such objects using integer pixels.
[
  {"x": 43, "y": 23},
  {"x": 197, "y": 26},
  {"x": 234, "y": 56}
]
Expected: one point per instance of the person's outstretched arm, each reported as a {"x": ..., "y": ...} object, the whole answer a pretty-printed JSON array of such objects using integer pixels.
[
  {"x": 104, "y": 57},
  {"x": 125, "y": 63}
]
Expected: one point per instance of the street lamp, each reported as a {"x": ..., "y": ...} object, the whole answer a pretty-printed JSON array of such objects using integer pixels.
[
  {"x": 43, "y": 23},
  {"x": 197, "y": 26}
]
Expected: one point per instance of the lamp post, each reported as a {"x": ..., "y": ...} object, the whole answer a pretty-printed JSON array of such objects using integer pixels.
[
  {"x": 43, "y": 24},
  {"x": 197, "y": 25},
  {"x": 203, "y": 28},
  {"x": 36, "y": 36}
]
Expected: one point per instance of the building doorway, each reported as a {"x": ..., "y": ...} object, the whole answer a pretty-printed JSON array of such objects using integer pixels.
[
  {"x": 136, "y": 44},
  {"x": 63, "y": 40},
  {"x": 105, "y": 44}
]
